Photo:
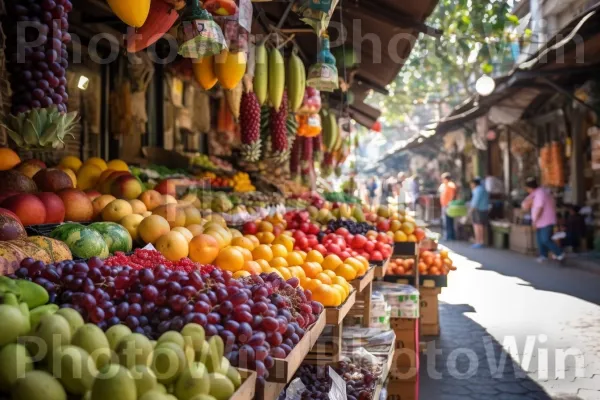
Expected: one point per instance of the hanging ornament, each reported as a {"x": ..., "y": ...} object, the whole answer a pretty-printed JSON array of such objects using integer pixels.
[
  {"x": 376, "y": 127},
  {"x": 323, "y": 75},
  {"x": 199, "y": 35}
]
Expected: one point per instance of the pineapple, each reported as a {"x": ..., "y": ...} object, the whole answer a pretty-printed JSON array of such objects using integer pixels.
[
  {"x": 279, "y": 131},
  {"x": 295, "y": 158},
  {"x": 317, "y": 150},
  {"x": 250, "y": 126}
]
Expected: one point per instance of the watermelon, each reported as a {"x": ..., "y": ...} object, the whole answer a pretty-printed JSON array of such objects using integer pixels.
[
  {"x": 116, "y": 236},
  {"x": 62, "y": 231},
  {"x": 85, "y": 243}
]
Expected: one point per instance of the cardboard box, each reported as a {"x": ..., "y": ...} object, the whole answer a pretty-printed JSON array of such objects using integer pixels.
[
  {"x": 522, "y": 239},
  {"x": 403, "y": 299},
  {"x": 430, "y": 329},
  {"x": 429, "y": 306},
  {"x": 407, "y": 345},
  {"x": 402, "y": 390}
]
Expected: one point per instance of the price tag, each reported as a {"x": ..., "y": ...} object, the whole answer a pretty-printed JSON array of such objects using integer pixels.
[
  {"x": 149, "y": 246},
  {"x": 338, "y": 386}
]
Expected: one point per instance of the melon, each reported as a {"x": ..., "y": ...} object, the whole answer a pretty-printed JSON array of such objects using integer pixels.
[
  {"x": 10, "y": 258},
  {"x": 10, "y": 226},
  {"x": 62, "y": 231},
  {"x": 116, "y": 236},
  {"x": 86, "y": 243},
  {"x": 32, "y": 250},
  {"x": 57, "y": 250}
]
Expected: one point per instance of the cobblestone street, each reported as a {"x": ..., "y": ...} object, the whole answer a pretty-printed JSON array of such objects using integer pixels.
[{"x": 500, "y": 302}]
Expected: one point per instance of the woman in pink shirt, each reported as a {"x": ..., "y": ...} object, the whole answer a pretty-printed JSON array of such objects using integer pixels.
[{"x": 543, "y": 219}]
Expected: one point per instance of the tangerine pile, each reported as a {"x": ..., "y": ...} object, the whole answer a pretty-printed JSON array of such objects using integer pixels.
[{"x": 430, "y": 263}]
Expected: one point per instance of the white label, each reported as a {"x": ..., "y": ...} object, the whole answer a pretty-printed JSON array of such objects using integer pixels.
[{"x": 338, "y": 386}]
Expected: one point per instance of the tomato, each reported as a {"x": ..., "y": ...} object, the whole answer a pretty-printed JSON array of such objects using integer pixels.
[
  {"x": 369, "y": 246},
  {"x": 358, "y": 242}
]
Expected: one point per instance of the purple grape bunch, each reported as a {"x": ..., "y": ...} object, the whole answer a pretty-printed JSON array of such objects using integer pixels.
[
  {"x": 37, "y": 53},
  {"x": 259, "y": 318}
]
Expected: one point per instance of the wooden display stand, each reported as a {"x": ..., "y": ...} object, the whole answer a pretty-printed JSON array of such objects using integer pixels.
[
  {"x": 247, "y": 389},
  {"x": 364, "y": 292},
  {"x": 329, "y": 353},
  {"x": 430, "y": 314},
  {"x": 381, "y": 268}
]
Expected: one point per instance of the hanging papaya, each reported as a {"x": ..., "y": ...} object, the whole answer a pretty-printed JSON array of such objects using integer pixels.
[
  {"x": 276, "y": 78},
  {"x": 234, "y": 100},
  {"x": 230, "y": 68},
  {"x": 261, "y": 73},
  {"x": 296, "y": 82},
  {"x": 132, "y": 12},
  {"x": 160, "y": 19},
  {"x": 204, "y": 71}
]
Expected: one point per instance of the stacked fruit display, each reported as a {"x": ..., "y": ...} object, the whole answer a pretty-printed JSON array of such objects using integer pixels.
[
  {"x": 77, "y": 359},
  {"x": 215, "y": 182},
  {"x": 259, "y": 318},
  {"x": 430, "y": 263}
]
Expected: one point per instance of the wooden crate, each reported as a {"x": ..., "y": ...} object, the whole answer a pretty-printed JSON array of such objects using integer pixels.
[
  {"x": 247, "y": 390},
  {"x": 361, "y": 283},
  {"x": 403, "y": 390},
  {"x": 269, "y": 391},
  {"x": 380, "y": 270},
  {"x": 284, "y": 369},
  {"x": 405, "y": 249},
  {"x": 362, "y": 305},
  {"x": 429, "y": 311},
  {"x": 335, "y": 315}
]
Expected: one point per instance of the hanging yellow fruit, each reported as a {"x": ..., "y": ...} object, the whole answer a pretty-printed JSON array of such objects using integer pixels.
[
  {"x": 132, "y": 12},
  {"x": 230, "y": 68},
  {"x": 204, "y": 71}
]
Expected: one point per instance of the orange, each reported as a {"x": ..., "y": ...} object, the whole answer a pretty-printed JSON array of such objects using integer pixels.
[
  {"x": 338, "y": 280},
  {"x": 279, "y": 250},
  {"x": 241, "y": 274},
  {"x": 346, "y": 271},
  {"x": 327, "y": 296},
  {"x": 262, "y": 252},
  {"x": 173, "y": 245},
  {"x": 278, "y": 262},
  {"x": 323, "y": 277},
  {"x": 331, "y": 274},
  {"x": 192, "y": 216},
  {"x": 153, "y": 227},
  {"x": 172, "y": 213},
  {"x": 444, "y": 253},
  {"x": 245, "y": 252},
  {"x": 298, "y": 272},
  {"x": 315, "y": 256},
  {"x": 312, "y": 284},
  {"x": 294, "y": 258},
  {"x": 196, "y": 229},
  {"x": 265, "y": 237},
  {"x": 100, "y": 202},
  {"x": 286, "y": 241},
  {"x": 253, "y": 239},
  {"x": 408, "y": 227},
  {"x": 218, "y": 237},
  {"x": 357, "y": 265},
  {"x": 97, "y": 161},
  {"x": 412, "y": 239},
  {"x": 312, "y": 269},
  {"x": 302, "y": 254},
  {"x": 253, "y": 267},
  {"x": 243, "y": 242},
  {"x": 264, "y": 265},
  {"x": 332, "y": 262},
  {"x": 230, "y": 259},
  {"x": 204, "y": 249},
  {"x": 400, "y": 236},
  {"x": 285, "y": 272},
  {"x": 235, "y": 233},
  {"x": 117, "y": 165},
  {"x": 186, "y": 233},
  {"x": 265, "y": 226}
]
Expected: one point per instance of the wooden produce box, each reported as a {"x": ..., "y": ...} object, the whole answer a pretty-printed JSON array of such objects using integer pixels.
[
  {"x": 335, "y": 315},
  {"x": 361, "y": 283},
  {"x": 381, "y": 269},
  {"x": 430, "y": 314},
  {"x": 522, "y": 239},
  {"x": 406, "y": 356},
  {"x": 403, "y": 390},
  {"x": 284, "y": 369},
  {"x": 248, "y": 388},
  {"x": 406, "y": 249}
]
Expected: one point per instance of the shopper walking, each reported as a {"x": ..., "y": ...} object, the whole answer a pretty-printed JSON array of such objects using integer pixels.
[
  {"x": 372, "y": 187},
  {"x": 543, "y": 219},
  {"x": 479, "y": 210},
  {"x": 447, "y": 194}
]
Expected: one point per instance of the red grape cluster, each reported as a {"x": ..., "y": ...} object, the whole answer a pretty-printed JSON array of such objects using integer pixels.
[
  {"x": 259, "y": 317},
  {"x": 360, "y": 383},
  {"x": 150, "y": 258},
  {"x": 38, "y": 77}
]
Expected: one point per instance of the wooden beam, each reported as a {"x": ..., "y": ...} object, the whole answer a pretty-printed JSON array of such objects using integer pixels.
[{"x": 362, "y": 81}]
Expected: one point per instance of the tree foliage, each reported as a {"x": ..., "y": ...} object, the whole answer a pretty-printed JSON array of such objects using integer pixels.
[{"x": 477, "y": 39}]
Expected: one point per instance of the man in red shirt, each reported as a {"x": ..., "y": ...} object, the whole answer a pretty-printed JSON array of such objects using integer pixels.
[{"x": 447, "y": 194}]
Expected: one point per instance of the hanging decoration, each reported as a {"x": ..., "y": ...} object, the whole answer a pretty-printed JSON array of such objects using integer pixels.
[
  {"x": 315, "y": 13},
  {"x": 132, "y": 12},
  {"x": 198, "y": 34},
  {"x": 160, "y": 19},
  {"x": 376, "y": 127},
  {"x": 324, "y": 74},
  {"x": 235, "y": 20}
]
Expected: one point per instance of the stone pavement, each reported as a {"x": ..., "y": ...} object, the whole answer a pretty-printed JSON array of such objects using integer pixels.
[{"x": 512, "y": 329}]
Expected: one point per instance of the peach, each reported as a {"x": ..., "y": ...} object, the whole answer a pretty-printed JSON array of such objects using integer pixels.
[
  {"x": 166, "y": 186},
  {"x": 92, "y": 194},
  {"x": 52, "y": 180},
  {"x": 101, "y": 202},
  {"x": 126, "y": 187},
  {"x": 192, "y": 215},
  {"x": 78, "y": 207},
  {"x": 131, "y": 223},
  {"x": 138, "y": 206},
  {"x": 55, "y": 208},
  {"x": 29, "y": 209},
  {"x": 29, "y": 168},
  {"x": 151, "y": 198},
  {"x": 172, "y": 213},
  {"x": 106, "y": 186},
  {"x": 152, "y": 228},
  {"x": 116, "y": 210},
  {"x": 173, "y": 245},
  {"x": 168, "y": 199}
]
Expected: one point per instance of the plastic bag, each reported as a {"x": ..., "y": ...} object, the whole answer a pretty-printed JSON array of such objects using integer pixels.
[
  {"x": 235, "y": 19},
  {"x": 316, "y": 13}
]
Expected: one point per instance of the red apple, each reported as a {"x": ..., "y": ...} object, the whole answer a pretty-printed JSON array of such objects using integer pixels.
[
  {"x": 386, "y": 252},
  {"x": 376, "y": 256},
  {"x": 342, "y": 231},
  {"x": 358, "y": 242},
  {"x": 321, "y": 249},
  {"x": 302, "y": 243},
  {"x": 382, "y": 237},
  {"x": 349, "y": 238},
  {"x": 314, "y": 229},
  {"x": 344, "y": 255},
  {"x": 312, "y": 241},
  {"x": 383, "y": 225},
  {"x": 334, "y": 248},
  {"x": 55, "y": 208},
  {"x": 166, "y": 186},
  {"x": 369, "y": 247},
  {"x": 250, "y": 228},
  {"x": 304, "y": 227}
]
